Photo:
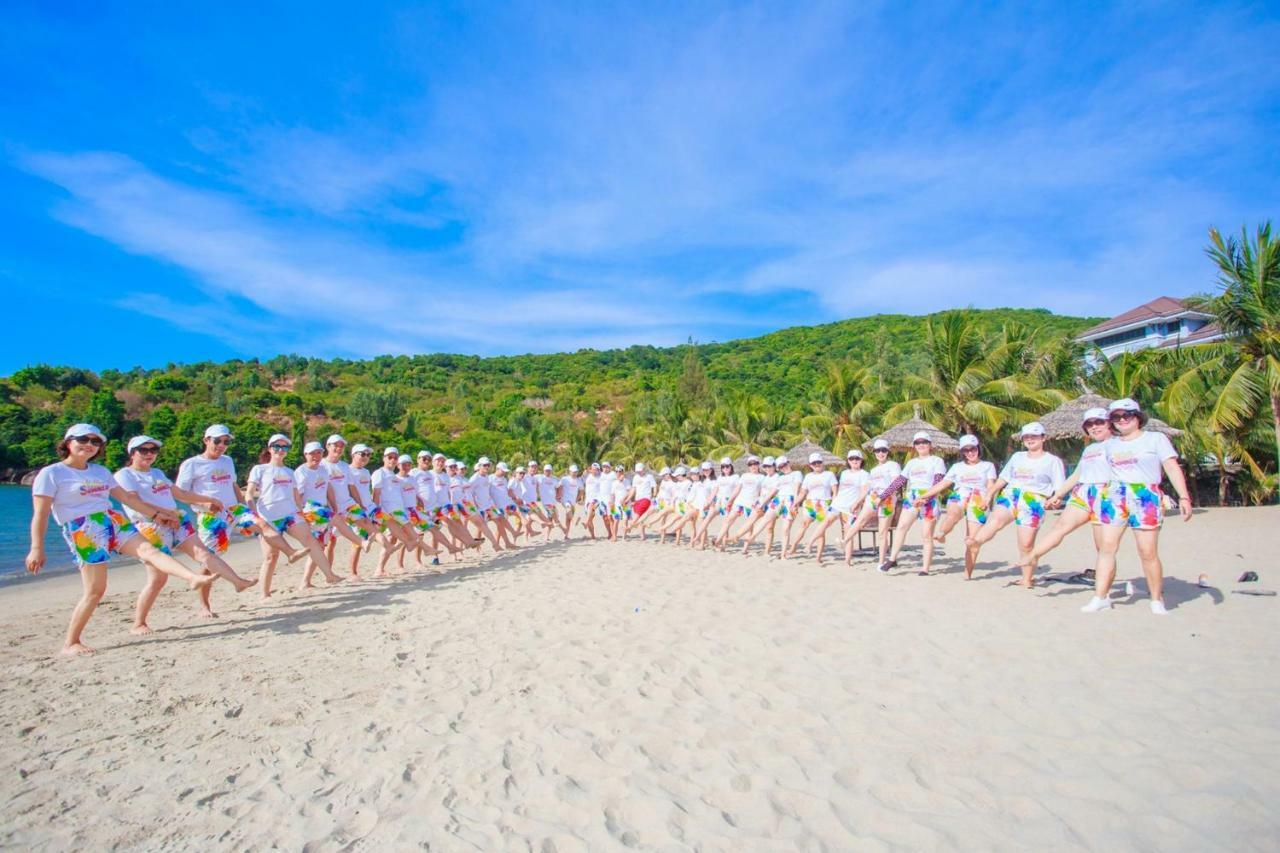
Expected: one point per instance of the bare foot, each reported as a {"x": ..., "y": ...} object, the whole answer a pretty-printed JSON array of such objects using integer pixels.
[
  {"x": 73, "y": 649},
  {"x": 202, "y": 581},
  {"x": 331, "y": 578},
  {"x": 242, "y": 584},
  {"x": 266, "y": 593},
  {"x": 141, "y": 630},
  {"x": 297, "y": 555},
  {"x": 206, "y": 613},
  {"x": 941, "y": 538}
]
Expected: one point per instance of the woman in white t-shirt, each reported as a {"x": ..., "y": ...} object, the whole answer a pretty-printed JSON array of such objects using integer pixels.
[
  {"x": 743, "y": 501},
  {"x": 1091, "y": 499},
  {"x": 591, "y": 498},
  {"x": 78, "y": 492},
  {"x": 922, "y": 473},
  {"x": 966, "y": 485},
  {"x": 725, "y": 484},
  {"x": 816, "y": 491},
  {"x": 350, "y": 498},
  {"x": 1140, "y": 460},
  {"x": 673, "y": 501},
  {"x": 850, "y": 492},
  {"x": 1025, "y": 483},
  {"x": 778, "y": 502},
  {"x": 884, "y": 482},
  {"x": 154, "y": 489},
  {"x": 570, "y": 489},
  {"x": 278, "y": 503},
  {"x": 388, "y": 496}
]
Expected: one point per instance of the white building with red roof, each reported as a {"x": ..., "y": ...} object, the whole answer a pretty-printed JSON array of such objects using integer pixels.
[{"x": 1162, "y": 322}]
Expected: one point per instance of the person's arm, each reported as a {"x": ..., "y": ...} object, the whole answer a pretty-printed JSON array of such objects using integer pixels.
[
  {"x": 240, "y": 497},
  {"x": 939, "y": 488},
  {"x": 196, "y": 499},
  {"x": 355, "y": 495},
  {"x": 1055, "y": 500},
  {"x": 40, "y": 507},
  {"x": 1173, "y": 471},
  {"x": 896, "y": 485},
  {"x": 995, "y": 489},
  {"x": 331, "y": 497},
  {"x": 155, "y": 513}
]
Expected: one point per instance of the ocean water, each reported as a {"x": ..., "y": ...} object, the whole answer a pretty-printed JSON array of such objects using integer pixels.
[{"x": 15, "y": 538}]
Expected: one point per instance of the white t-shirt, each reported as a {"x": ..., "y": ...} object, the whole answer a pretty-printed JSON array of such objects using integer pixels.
[
  {"x": 313, "y": 483},
  {"x": 749, "y": 493},
  {"x": 547, "y": 485},
  {"x": 457, "y": 489},
  {"x": 570, "y": 486},
  {"x": 1141, "y": 459},
  {"x": 1094, "y": 465},
  {"x": 1040, "y": 476},
  {"x": 213, "y": 478},
  {"x": 152, "y": 486},
  {"x": 645, "y": 486},
  {"x": 619, "y": 491},
  {"x": 819, "y": 485},
  {"x": 884, "y": 474},
  {"x": 408, "y": 490},
  {"x": 75, "y": 493},
  {"x": 789, "y": 485},
  {"x": 440, "y": 483},
  {"x": 591, "y": 487},
  {"x": 424, "y": 482},
  {"x": 275, "y": 484},
  {"x": 923, "y": 471},
  {"x": 700, "y": 493},
  {"x": 970, "y": 479},
  {"x": 480, "y": 491},
  {"x": 680, "y": 490},
  {"x": 340, "y": 478},
  {"x": 363, "y": 481},
  {"x": 607, "y": 484},
  {"x": 498, "y": 491},
  {"x": 387, "y": 484},
  {"x": 851, "y": 484},
  {"x": 725, "y": 486}
]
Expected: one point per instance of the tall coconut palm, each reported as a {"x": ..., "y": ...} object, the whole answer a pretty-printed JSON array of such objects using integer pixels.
[
  {"x": 746, "y": 424},
  {"x": 1247, "y": 309},
  {"x": 589, "y": 444},
  {"x": 843, "y": 416},
  {"x": 967, "y": 386}
]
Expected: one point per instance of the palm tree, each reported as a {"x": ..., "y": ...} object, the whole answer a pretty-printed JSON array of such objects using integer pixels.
[
  {"x": 746, "y": 424},
  {"x": 842, "y": 417},
  {"x": 969, "y": 385},
  {"x": 588, "y": 444},
  {"x": 1247, "y": 309}
]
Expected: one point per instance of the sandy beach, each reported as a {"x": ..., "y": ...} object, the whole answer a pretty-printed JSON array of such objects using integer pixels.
[{"x": 583, "y": 695}]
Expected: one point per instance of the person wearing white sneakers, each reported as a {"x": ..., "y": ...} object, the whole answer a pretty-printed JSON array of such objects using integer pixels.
[
  {"x": 1028, "y": 479},
  {"x": 1139, "y": 461}
]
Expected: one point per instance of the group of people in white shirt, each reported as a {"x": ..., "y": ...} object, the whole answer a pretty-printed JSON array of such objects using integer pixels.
[{"x": 425, "y": 506}]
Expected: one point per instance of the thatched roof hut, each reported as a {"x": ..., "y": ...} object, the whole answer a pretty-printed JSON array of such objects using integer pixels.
[
  {"x": 1064, "y": 421},
  {"x": 799, "y": 455},
  {"x": 900, "y": 436}
]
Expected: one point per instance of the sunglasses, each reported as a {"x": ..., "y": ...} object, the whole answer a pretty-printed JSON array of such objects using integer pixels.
[
  {"x": 1123, "y": 416},
  {"x": 361, "y": 453},
  {"x": 1096, "y": 422},
  {"x": 221, "y": 441},
  {"x": 87, "y": 439},
  {"x": 918, "y": 443},
  {"x": 149, "y": 449},
  {"x": 881, "y": 450},
  {"x": 970, "y": 450},
  {"x": 281, "y": 447}
]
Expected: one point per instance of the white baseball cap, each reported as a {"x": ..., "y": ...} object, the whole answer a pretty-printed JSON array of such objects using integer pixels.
[
  {"x": 752, "y": 458},
  {"x": 312, "y": 446},
  {"x": 461, "y": 464},
  {"x": 680, "y": 471},
  {"x": 391, "y": 451},
  {"x": 1097, "y": 413},
  {"x": 595, "y": 465},
  {"x": 639, "y": 467},
  {"x": 547, "y": 467},
  {"x": 768, "y": 460},
  {"x": 451, "y": 463},
  {"x": 606, "y": 464},
  {"x": 279, "y": 437},
  {"x": 504, "y": 467},
  {"x": 1124, "y": 405},
  {"x": 1034, "y": 428},
  {"x": 574, "y": 468},
  {"x": 815, "y": 456},
  {"x": 532, "y": 464},
  {"x": 921, "y": 436},
  {"x": 436, "y": 456},
  {"x": 424, "y": 454},
  {"x": 664, "y": 472},
  {"x": 779, "y": 461},
  {"x": 361, "y": 448},
  {"x": 405, "y": 459},
  {"x": 880, "y": 444},
  {"x": 138, "y": 441},
  {"x": 726, "y": 461},
  {"x": 707, "y": 466},
  {"x": 968, "y": 441},
  {"x": 483, "y": 460},
  {"x": 334, "y": 439},
  {"x": 854, "y": 453},
  {"x": 215, "y": 431}
]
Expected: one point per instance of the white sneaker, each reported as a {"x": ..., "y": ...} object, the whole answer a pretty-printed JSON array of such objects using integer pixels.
[
  {"x": 1096, "y": 604},
  {"x": 1157, "y": 607}
]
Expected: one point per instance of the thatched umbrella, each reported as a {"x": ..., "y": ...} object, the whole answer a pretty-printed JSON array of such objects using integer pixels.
[
  {"x": 1065, "y": 421},
  {"x": 799, "y": 455},
  {"x": 900, "y": 437}
]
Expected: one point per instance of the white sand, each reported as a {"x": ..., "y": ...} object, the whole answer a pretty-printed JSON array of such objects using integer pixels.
[{"x": 592, "y": 695}]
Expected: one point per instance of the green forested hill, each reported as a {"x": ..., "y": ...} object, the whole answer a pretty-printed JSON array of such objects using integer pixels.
[{"x": 566, "y": 406}]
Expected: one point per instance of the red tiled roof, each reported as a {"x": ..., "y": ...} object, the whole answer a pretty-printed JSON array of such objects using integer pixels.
[{"x": 1156, "y": 309}]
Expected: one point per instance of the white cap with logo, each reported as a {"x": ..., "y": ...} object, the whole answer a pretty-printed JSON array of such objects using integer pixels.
[
  {"x": 1033, "y": 428},
  {"x": 1124, "y": 405},
  {"x": 880, "y": 444},
  {"x": 218, "y": 431},
  {"x": 139, "y": 440},
  {"x": 313, "y": 447},
  {"x": 1097, "y": 413},
  {"x": 279, "y": 437},
  {"x": 334, "y": 439},
  {"x": 921, "y": 436},
  {"x": 815, "y": 456},
  {"x": 968, "y": 441}
]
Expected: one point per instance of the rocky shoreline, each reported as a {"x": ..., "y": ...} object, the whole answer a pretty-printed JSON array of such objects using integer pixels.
[{"x": 18, "y": 476}]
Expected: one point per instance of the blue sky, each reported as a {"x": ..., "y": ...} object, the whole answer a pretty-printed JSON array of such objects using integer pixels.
[{"x": 224, "y": 180}]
